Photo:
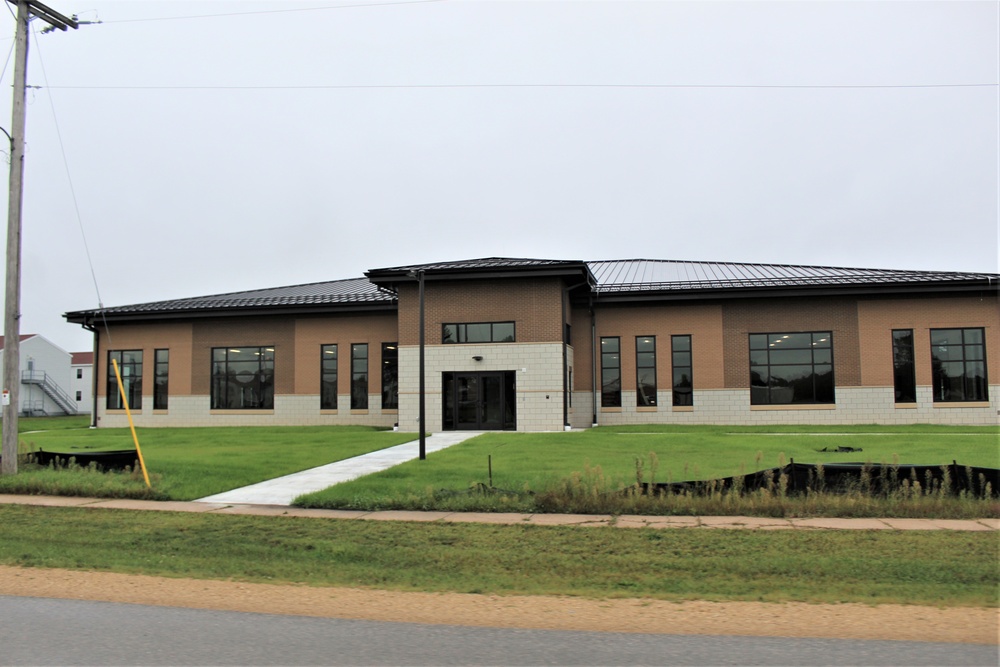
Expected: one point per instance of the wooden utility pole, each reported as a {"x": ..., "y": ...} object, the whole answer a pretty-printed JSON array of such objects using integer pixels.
[{"x": 12, "y": 311}]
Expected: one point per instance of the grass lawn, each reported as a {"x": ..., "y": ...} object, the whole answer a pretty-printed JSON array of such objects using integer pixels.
[
  {"x": 941, "y": 568},
  {"x": 189, "y": 463},
  {"x": 537, "y": 461}
]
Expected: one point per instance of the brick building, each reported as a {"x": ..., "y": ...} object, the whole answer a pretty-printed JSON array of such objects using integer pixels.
[{"x": 541, "y": 345}]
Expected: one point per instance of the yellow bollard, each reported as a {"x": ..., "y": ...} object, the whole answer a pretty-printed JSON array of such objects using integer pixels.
[{"x": 128, "y": 413}]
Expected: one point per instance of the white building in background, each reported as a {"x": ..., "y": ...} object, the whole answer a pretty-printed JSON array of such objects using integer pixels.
[
  {"x": 46, "y": 378},
  {"x": 82, "y": 381}
]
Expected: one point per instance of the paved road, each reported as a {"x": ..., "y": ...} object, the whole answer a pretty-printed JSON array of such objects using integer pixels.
[{"x": 38, "y": 631}]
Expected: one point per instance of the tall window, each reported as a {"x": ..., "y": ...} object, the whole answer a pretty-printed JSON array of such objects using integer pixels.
[
  {"x": 958, "y": 365},
  {"x": 359, "y": 376},
  {"x": 903, "y": 369},
  {"x": 683, "y": 387},
  {"x": 243, "y": 378},
  {"x": 791, "y": 368},
  {"x": 161, "y": 376},
  {"x": 328, "y": 377},
  {"x": 390, "y": 376},
  {"x": 611, "y": 372},
  {"x": 480, "y": 332},
  {"x": 645, "y": 370},
  {"x": 130, "y": 368}
]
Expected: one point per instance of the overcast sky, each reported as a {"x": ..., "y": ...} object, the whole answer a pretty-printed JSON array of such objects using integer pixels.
[{"x": 217, "y": 147}]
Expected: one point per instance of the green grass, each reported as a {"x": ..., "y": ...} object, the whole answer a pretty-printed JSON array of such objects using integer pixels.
[
  {"x": 538, "y": 462},
  {"x": 189, "y": 463},
  {"x": 25, "y": 424},
  {"x": 940, "y": 568}
]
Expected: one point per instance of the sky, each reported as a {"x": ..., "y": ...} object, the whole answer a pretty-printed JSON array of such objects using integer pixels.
[{"x": 179, "y": 149}]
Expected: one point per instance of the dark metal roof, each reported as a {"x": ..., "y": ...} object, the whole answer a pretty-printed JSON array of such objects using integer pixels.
[
  {"x": 656, "y": 275},
  {"x": 354, "y": 291},
  {"x": 615, "y": 279}
]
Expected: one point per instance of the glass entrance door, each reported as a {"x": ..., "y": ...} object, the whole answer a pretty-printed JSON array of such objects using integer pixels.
[{"x": 479, "y": 401}]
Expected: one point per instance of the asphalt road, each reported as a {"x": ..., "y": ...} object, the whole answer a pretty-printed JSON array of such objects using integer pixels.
[{"x": 41, "y": 631}]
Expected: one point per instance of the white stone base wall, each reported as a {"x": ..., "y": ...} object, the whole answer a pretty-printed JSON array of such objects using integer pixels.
[
  {"x": 855, "y": 405},
  {"x": 288, "y": 411}
]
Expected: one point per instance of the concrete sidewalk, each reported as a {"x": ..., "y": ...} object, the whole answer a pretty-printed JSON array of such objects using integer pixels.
[
  {"x": 585, "y": 520},
  {"x": 283, "y": 490}
]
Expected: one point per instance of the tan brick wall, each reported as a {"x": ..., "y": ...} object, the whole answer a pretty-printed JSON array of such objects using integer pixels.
[
  {"x": 249, "y": 331},
  {"x": 176, "y": 337},
  {"x": 534, "y": 305},
  {"x": 343, "y": 330},
  {"x": 835, "y": 314},
  {"x": 878, "y": 317}
]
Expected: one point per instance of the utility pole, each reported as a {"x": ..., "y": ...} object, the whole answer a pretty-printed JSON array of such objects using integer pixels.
[{"x": 12, "y": 311}]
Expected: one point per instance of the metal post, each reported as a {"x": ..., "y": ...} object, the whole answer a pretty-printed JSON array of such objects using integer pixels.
[{"x": 423, "y": 387}]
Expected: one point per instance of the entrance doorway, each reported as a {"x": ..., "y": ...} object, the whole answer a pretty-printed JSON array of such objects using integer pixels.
[{"x": 479, "y": 401}]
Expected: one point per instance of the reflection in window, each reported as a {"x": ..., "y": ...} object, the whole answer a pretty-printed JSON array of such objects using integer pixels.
[
  {"x": 903, "y": 368},
  {"x": 243, "y": 378},
  {"x": 328, "y": 377},
  {"x": 130, "y": 369},
  {"x": 390, "y": 376},
  {"x": 359, "y": 376},
  {"x": 958, "y": 365},
  {"x": 787, "y": 368},
  {"x": 611, "y": 372},
  {"x": 683, "y": 387},
  {"x": 479, "y": 332},
  {"x": 645, "y": 370}
]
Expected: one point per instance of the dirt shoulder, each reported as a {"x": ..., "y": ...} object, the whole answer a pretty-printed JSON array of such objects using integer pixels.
[{"x": 848, "y": 621}]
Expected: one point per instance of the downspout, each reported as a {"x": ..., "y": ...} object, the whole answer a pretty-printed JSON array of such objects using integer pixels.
[{"x": 593, "y": 359}]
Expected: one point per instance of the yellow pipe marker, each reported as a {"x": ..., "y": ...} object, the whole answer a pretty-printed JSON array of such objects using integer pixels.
[{"x": 128, "y": 413}]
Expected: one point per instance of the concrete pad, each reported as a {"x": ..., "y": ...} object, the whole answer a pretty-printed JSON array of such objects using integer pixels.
[
  {"x": 487, "y": 517},
  {"x": 841, "y": 524},
  {"x": 402, "y": 515},
  {"x": 46, "y": 501},
  {"x": 163, "y": 506},
  {"x": 570, "y": 519},
  {"x": 641, "y": 521}
]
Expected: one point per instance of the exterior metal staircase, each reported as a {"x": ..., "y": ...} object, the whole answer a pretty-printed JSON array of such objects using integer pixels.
[{"x": 51, "y": 389}]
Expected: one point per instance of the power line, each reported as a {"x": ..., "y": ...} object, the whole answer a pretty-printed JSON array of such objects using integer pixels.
[{"x": 546, "y": 85}]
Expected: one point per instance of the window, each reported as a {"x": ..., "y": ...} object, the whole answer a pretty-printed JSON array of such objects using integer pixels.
[
  {"x": 390, "y": 376},
  {"x": 645, "y": 370},
  {"x": 482, "y": 332},
  {"x": 79, "y": 396},
  {"x": 359, "y": 376},
  {"x": 903, "y": 369},
  {"x": 130, "y": 368},
  {"x": 161, "y": 367},
  {"x": 958, "y": 365},
  {"x": 79, "y": 373},
  {"x": 611, "y": 372},
  {"x": 790, "y": 368},
  {"x": 328, "y": 377},
  {"x": 683, "y": 382},
  {"x": 243, "y": 378}
]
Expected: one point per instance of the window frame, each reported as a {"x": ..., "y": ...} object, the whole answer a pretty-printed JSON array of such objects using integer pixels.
[
  {"x": 328, "y": 378},
  {"x": 972, "y": 392},
  {"x": 359, "y": 377},
  {"x": 161, "y": 369},
  {"x": 611, "y": 398},
  {"x": 390, "y": 376},
  {"x": 133, "y": 387},
  {"x": 770, "y": 391},
  {"x": 681, "y": 395},
  {"x": 641, "y": 365},
  {"x": 461, "y": 333},
  {"x": 262, "y": 377}
]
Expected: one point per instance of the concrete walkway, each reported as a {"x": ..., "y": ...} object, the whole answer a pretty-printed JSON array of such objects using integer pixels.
[
  {"x": 283, "y": 490},
  {"x": 583, "y": 520}
]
